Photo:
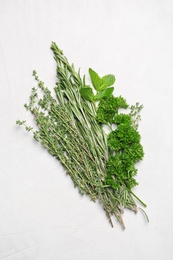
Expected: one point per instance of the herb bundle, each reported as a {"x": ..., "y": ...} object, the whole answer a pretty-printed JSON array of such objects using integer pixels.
[{"x": 71, "y": 128}]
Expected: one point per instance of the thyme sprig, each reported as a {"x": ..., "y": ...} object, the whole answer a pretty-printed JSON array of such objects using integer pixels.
[{"x": 68, "y": 127}]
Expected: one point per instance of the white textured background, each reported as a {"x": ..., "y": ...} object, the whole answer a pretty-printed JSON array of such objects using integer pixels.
[{"x": 42, "y": 217}]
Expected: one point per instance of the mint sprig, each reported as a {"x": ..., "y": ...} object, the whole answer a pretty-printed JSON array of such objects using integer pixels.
[{"x": 100, "y": 85}]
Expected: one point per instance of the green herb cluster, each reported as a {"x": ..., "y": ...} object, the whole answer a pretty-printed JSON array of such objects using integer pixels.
[
  {"x": 124, "y": 145},
  {"x": 70, "y": 127},
  {"x": 100, "y": 85},
  {"x": 124, "y": 142}
]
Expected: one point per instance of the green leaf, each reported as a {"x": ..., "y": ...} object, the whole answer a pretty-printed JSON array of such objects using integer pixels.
[
  {"x": 110, "y": 181},
  {"x": 101, "y": 83},
  {"x": 96, "y": 80},
  {"x": 87, "y": 93},
  {"x": 106, "y": 81},
  {"x": 106, "y": 93}
]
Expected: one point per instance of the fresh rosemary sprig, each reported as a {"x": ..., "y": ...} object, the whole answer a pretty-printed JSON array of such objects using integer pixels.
[{"x": 70, "y": 130}]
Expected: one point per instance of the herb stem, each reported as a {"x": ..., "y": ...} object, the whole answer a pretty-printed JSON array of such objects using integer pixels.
[{"x": 138, "y": 198}]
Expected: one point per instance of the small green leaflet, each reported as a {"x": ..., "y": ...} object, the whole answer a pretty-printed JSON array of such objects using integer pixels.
[
  {"x": 96, "y": 80},
  {"x": 106, "y": 93},
  {"x": 87, "y": 93},
  {"x": 110, "y": 181},
  {"x": 101, "y": 83},
  {"x": 107, "y": 81}
]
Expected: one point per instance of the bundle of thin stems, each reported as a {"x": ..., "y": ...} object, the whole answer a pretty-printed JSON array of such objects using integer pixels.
[{"x": 67, "y": 128}]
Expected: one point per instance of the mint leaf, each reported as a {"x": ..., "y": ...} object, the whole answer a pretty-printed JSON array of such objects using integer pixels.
[
  {"x": 96, "y": 80},
  {"x": 87, "y": 93},
  {"x": 106, "y": 81},
  {"x": 101, "y": 83},
  {"x": 106, "y": 93}
]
